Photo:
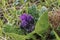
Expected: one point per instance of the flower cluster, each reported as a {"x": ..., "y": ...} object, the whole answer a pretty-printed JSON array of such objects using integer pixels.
[{"x": 27, "y": 22}]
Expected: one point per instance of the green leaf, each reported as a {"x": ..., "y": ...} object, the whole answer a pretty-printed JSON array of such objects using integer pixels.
[
  {"x": 1, "y": 24},
  {"x": 58, "y": 2},
  {"x": 34, "y": 12},
  {"x": 0, "y": 31},
  {"x": 22, "y": 1},
  {"x": 16, "y": 36},
  {"x": 12, "y": 29},
  {"x": 3, "y": 2},
  {"x": 42, "y": 23},
  {"x": 57, "y": 37}
]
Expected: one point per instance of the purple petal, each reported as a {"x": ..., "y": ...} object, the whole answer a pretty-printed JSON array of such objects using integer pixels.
[
  {"x": 23, "y": 16},
  {"x": 24, "y": 23},
  {"x": 29, "y": 17}
]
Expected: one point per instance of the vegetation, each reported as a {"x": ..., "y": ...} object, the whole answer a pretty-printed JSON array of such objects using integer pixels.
[{"x": 41, "y": 23}]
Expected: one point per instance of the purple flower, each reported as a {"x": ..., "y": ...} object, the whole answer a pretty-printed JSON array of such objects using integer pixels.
[
  {"x": 23, "y": 17},
  {"x": 27, "y": 22},
  {"x": 23, "y": 23}
]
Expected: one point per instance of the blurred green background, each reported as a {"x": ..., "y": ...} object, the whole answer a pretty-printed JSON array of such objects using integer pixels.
[{"x": 10, "y": 10}]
